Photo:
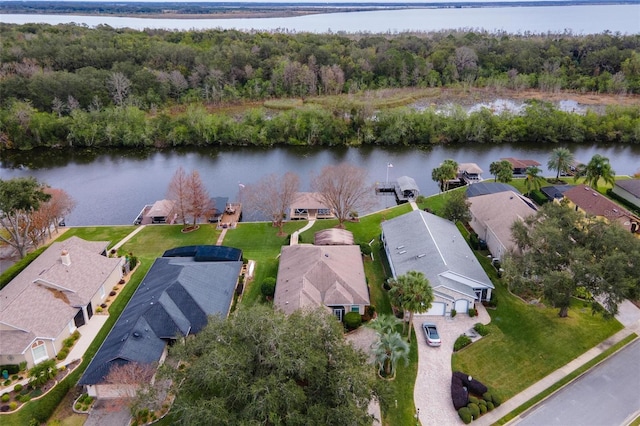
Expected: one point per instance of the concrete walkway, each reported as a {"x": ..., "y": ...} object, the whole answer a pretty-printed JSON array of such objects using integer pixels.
[
  {"x": 128, "y": 237},
  {"x": 221, "y": 236},
  {"x": 629, "y": 316},
  {"x": 296, "y": 234}
]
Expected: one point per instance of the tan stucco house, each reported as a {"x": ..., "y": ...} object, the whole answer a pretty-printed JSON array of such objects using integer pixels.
[
  {"x": 309, "y": 206},
  {"x": 52, "y": 297}
]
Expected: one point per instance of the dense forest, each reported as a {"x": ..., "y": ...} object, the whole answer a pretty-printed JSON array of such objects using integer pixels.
[{"x": 69, "y": 85}]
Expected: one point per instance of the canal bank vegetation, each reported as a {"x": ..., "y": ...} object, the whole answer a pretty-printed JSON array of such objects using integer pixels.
[{"x": 73, "y": 86}]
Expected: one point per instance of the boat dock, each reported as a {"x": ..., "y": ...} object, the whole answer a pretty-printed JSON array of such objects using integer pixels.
[
  {"x": 405, "y": 189},
  {"x": 231, "y": 216}
]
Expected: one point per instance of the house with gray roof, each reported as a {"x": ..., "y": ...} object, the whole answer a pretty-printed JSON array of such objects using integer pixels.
[
  {"x": 628, "y": 190},
  {"x": 492, "y": 216},
  {"x": 175, "y": 299},
  {"x": 332, "y": 276},
  {"x": 423, "y": 242},
  {"x": 52, "y": 297},
  {"x": 484, "y": 188}
]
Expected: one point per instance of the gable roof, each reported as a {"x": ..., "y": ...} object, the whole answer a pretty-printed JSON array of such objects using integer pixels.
[
  {"x": 471, "y": 168},
  {"x": 483, "y": 188},
  {"x": 47, "y": 294},
  {"x": 517, "y": 163},
  {"x": 161, "y": 208},
  {"x": 555, "y": 192},
  {"x": 308, "y": 200},
  {"x": 320, "y": 276},
  {"x": 406, "y": 183},
  {"x": 596, "y": 204},
  {"x": 632, "y": 186},
  {"x": 499, "y": 211},
  {"x": 333, "y": 236},
  {"x": 174, "y": 299},
  {"x": 420, "y": 241}
]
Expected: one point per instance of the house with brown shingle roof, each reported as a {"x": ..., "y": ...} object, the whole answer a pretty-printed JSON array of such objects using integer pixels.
[
  {"x": 309, "y": 206},
  {"x": 52, "y": 297},
  {"x": 590, "y": 202},
  {"x": 628, "y": 190},
  {"x": 330, "y": 276},
  {"x": 520, "y": 166}
]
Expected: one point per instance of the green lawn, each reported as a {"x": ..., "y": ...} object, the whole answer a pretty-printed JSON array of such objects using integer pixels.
[
  {"x": 528, "y": 342},
  {"x": 99, "y": 233}
]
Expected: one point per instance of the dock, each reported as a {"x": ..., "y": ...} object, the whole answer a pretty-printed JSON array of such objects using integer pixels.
[
  {"x": 231, "y": 216},
  {"x": 405, "y": 189}
]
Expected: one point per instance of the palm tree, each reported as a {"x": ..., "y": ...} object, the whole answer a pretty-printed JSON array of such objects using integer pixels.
[
  {"x": 532, "y": 179},
  {"x": 385, "y": 323},
  {"x": 561, "y": 159},
  {"x": 598, "y": 168},
  {"x": 388, "y": 350},
  {"x": 502, "y": 171},
  {"x": 413, "y": 293},
  {"x": 448, "y": 170}
]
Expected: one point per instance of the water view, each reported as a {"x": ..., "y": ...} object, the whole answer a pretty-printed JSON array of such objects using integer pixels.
[
  {"x": 111, "y": 187},
  {"x": 577, "y": 19}
]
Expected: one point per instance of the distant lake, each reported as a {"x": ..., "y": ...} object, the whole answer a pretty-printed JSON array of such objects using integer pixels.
[{"x": 594, "y": 19}]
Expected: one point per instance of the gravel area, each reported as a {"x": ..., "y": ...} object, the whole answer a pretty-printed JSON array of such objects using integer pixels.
[
  {"x": 432, "y": 392},
  {"x": 362, "y": 338}
]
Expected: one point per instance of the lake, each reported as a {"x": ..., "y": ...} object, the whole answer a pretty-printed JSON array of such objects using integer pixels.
[
  {"x": 540, "y": 19},
  {"x": 111, "y": 187}
]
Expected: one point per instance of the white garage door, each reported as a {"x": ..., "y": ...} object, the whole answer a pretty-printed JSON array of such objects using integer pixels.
[
  {"x": 437, "y": 308},
  {"x": 462, "y": 306}
]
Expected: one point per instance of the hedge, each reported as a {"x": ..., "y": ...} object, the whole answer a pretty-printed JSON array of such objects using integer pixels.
[
  {"x": 461, "y": 342},
  {"x": 352, "y": 320},
  {"x": 465, "y": 415}
]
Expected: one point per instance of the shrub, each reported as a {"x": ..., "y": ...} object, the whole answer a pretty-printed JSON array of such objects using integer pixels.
[
  {"x": 11, "y": 368},
  {"x": 474, "y": 241},
  {"x": 24, "y": 398},
  {"x": 473, "y": 399},
  {"x": 14, "y": 377},
  {"x": 453, "y": 313},
  {"x": 4, "y": 409},
  {"x": 99, "y": 309},
  {"x": 475, "y": 410},
  {"x": 5, "y": 397},
  {"x": 461, "y": 342},
  {"x": 13, "y": 405},
  {"x": 490, "y": 406},
  {"x": 23, "y": 365},
  {"x": 112, "y": 293},
  {"x": 103, "y": 305},
  {"x": 121, "y": 281},
  {"x": 496, "y": 400},
  {"x": 352, "y": 320},
  {"x": 483, "y": 408},
  {"x": 371, "y": 310},
  {"x": 465, "y": 415},
  {"x": 472, "y": 312},
  {"x": 268, "y": 287},
  {"x": 476, "y": 387},
  {"x": 6, "y": 382},
  {"x": 459, "y": 395},
  {"x": 365, "y": 249},
  {"x": 68, "y": 342},
  {"x": 481, "y": 329},
  {"x": 78, "y": 406},
  {"x": 62, "y": 354},
  {"x": 18, "y": 387}
]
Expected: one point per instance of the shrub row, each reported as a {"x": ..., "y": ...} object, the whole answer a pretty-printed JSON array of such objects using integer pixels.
[
  {"x": 10, "y": 368},
  {"x": 481, "y": 329},
  {"x": 470, "y": 397}
]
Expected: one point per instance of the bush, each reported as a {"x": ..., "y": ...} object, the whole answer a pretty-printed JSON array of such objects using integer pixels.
[
  {"x": 11, "y": 368},
  {"x": 268, "y": 287},
  {"x": 18, "y": 387},
  {"x": 352, "y": 320},
  {"x": 474, "y": 241},
  {"x": 99, "y": 309},
  {"x": 473, "y": 399},
  {"x": 23, "y": 366},
  {"x": 459, "y": 395},
  {"x": 465, "y": 415},
  {"x": 5, "y": 397},
  {"x": 496, "y": 400},
  {"x": 483, "y": 408},
  {"x": 461, "y": 342},
  {"x": 490, "y": 406},
  {"x": 481, "y": 329},
  {"x": 4, "y": 409},
  {"x": 476, "y": 387},
  {"x": 371, "y": 310},
  {"x": 475, "y": 410},
  {"x": 453, "y": 313},
  {"x": 13, "y": 405},
  {"x": 62, "y": 354},
  {"x": 24, "y": 398},
  {"x": 472, "y": 312},
  {"x": 112, "y": 293},
  {"x": 365, "y": 249}
]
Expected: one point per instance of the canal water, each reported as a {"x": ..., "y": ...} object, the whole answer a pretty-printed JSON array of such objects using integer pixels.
[{"x": 111, "y": 187}]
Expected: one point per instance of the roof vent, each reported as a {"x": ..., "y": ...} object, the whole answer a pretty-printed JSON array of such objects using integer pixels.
[
  {"x": 615, "y": 210},
  {"x": 65, "y": 258},
  {"x": 421, "y": 255},
  {"x": 399, "y": 247},
  {"x": 594, "y": 194},
  {"x": 402, "y": 252},
  {"x": 136, "y": 335}
]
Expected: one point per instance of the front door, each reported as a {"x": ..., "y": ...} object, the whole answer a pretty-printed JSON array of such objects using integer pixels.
[
  {"x": 89, "y": 310},
  {"x": 338, "y": 312},
  {"x": 78, "y": 320}
]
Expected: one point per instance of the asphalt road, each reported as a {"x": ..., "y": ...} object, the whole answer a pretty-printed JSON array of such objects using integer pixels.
[{"x": 608, "y": 395}]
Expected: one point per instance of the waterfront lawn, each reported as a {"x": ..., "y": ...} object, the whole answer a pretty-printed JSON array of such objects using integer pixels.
[
  {"x": 98, "y": 233},
  {"x": 260, "y": 242},
  {"x": 528, "y": 342}
]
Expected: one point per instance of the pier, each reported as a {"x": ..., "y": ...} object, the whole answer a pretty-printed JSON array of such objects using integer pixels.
[{"x": 405, "y": 189}]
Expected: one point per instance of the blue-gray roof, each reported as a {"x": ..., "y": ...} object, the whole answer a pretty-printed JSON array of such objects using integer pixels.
[
  {"x": 484, "y": 188},
  {"x": 174, "y": 299},
  {"x": 555, "y": 192},
  {"x": 423, "y": 242}
]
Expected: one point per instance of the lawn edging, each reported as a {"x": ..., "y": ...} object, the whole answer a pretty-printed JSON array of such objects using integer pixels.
[{"x": 567, "y": 379}]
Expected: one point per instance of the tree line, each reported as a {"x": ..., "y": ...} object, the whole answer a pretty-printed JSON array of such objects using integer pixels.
[{"x": 23, "y": 127}]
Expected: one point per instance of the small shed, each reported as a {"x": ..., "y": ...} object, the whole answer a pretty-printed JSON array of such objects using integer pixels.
[
  {"x": 333, "y": 237},
  {"x": 162, "y": 211},
  {"x": 407, "y": 188}
]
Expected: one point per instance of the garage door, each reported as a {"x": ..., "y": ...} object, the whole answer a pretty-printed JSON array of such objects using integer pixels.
[
  {"x": 462, "y": 306},
  {"x": 437, "y": 308}
]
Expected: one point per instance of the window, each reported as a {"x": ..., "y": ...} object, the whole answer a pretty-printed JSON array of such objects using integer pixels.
[
  {"x": 355, "y": 308},
  {"x": 324, "y": 212},
  {"x": 39, "y": 351},
  {"x": 301, "y": 211}
]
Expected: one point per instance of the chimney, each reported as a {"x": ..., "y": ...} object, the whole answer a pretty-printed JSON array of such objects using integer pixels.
[{"x": 65, "y": 257}]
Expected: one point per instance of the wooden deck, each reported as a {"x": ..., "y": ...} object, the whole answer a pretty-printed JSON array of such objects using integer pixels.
[
  {"x": 392, "y": 187},
  {"x": 231, "y": 216}
]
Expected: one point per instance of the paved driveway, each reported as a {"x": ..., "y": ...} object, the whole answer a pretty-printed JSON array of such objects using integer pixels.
[
  {"x": 608, "y": 395},
  {"x": 432, "y": 392}
]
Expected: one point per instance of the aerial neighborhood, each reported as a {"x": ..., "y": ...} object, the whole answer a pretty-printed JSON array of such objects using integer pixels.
[
  {"x": 447, "y": 264},
  {"x": 220, "y": 225}
]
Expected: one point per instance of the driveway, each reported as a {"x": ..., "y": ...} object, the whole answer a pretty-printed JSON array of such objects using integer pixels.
[
  {"x": 432, "y": 392},
  {"x": 608, "y": 395}
]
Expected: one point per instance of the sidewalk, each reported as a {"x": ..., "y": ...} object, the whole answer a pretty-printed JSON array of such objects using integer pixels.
[
  {"x": 128, "y": 237},
  {"x": 629, "y": 316}
]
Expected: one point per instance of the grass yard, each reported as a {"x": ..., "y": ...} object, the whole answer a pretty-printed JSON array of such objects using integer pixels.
[
  {"x": 527, "y": 342},
  {"x": 99, "y": 233},
  {"x": 399, "y": 408}
]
